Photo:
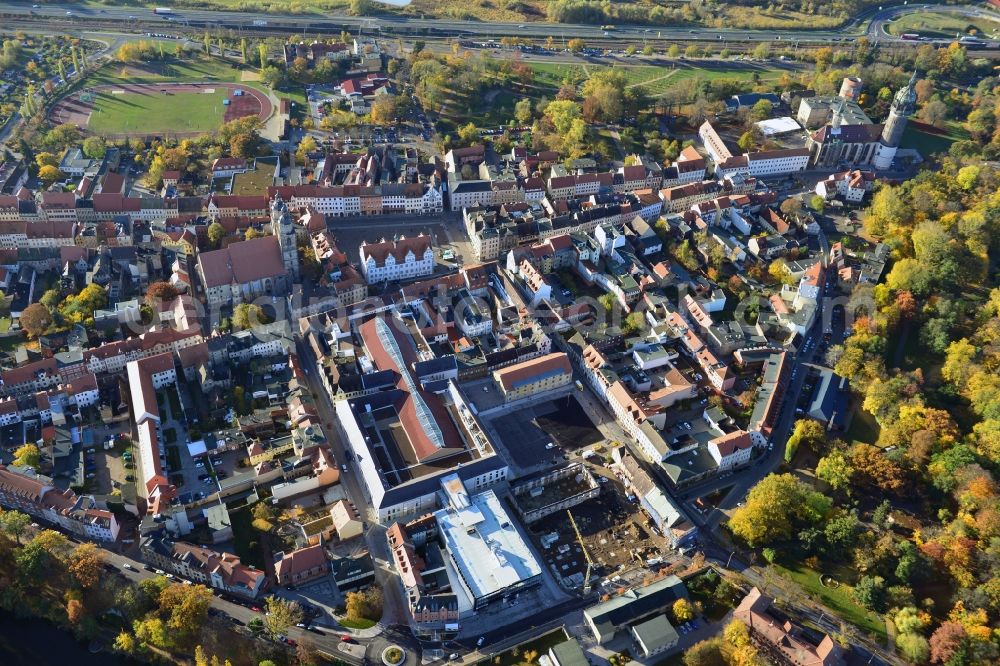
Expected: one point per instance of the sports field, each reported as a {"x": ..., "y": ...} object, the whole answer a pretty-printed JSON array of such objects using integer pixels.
[
  {"x": 157, "y": 112},
  {"x": 161, "y": 109}
]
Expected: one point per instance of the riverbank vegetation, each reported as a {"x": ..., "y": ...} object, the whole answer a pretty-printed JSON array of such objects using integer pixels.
[{"x": 45, "y": 575}]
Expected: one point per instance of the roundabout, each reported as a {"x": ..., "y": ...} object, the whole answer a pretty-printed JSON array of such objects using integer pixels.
[{"x": 393, "y": 655}]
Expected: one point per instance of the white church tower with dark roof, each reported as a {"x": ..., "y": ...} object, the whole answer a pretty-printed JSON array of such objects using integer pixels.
[
  {"x": 903, "y": 105},
  {"x": 283, "y": 229}
]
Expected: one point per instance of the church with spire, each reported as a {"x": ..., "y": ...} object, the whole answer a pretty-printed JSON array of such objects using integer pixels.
[{"x": 845, "y": 141}]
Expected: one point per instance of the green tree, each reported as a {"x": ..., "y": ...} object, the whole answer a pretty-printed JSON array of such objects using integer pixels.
[
  {"x": 523, "y": 111},
  {"x": 674, "y": 51},
  {"x": 94, "y": 147},
  {"x": 468, "y": 134},
  {"x": 762, "y": 110},
  {"x": 914, "y": 648},
  {"x": 362, "y": 7},
  {"x": 808, "y": 432},
  {"x": 841, "y": 533},
  {"x": 272, "y": 77},
  {"x": 43, "y": 159},
  {"x": 282, "y": 614},
  {"x": 35, "y": 320},
  {"x": 248, "y": 315},
  {"x": 870, "y": 592},
  {"x": 747, "y": 142},
  {"x": 86, "y": 563},
  {"x": 836, "y": 470},
  {"x": 774, "y": 507},
  {"x": 262, "y": 55},
  {"x": 817, "y": 203},
  {"x": 216, "y": 232},
  {"x": 125, "y": 642},
  {"x": 888, "y": 207},
  {"x": 705, "y": 653},
  {"x": 187, "y": 606},
  {"x": 49, "y": 174},
  {"x": 909, "y": 620},
  {"x": 32, "y": 561},
  {"x": 633, "y": 323},
  {"x": 151, "y": 631},
  {"x": 683, "y": 611},
  {"x": 364, "y": 605},
  {"x": 14, "y": 523},
  {"x": 27, "y": 455}
]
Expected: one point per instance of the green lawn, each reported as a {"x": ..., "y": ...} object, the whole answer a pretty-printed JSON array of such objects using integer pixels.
[
  {"x": 357, "y": 624},
  {"x": 154, "y": 113},
  {"x": 656, "y": 80},
  {"x": 929, "y": 144},
  {"x": 863, "y": 428},
  {"x": 943, "y": 25},
  {"x": 498, "y": 112},
  {"x": 552, "y": 75},
  {"x": 838, "y": 599}
]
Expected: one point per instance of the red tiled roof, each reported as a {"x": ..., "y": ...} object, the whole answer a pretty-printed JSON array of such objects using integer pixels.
[
  {"x": 731, "y": 442},
  {"x": 242, "y": 262},
  {"x": 399, "y": 249},
  {"x": 555, "y": 362},
  {"x": 406, "y": 406},
  {"x": 300, "y": 561}
]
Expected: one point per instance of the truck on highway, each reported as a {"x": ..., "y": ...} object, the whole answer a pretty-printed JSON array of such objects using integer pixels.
[
  {"x": 163, "y": 10},
  {"x": 259, "y": 22},
  {"x": 910, "y": 36}
]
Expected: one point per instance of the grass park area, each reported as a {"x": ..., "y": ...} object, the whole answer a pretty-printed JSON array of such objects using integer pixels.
[
  {"x": 931, "y": 143},
  {"x": 863, "y": 428},
  {"x": 655, "y": 80},
  {"x": 838, "y": 598},
  {"x": 943, "y": 25}
]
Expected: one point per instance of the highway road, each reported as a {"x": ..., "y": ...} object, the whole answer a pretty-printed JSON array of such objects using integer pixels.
[{"x": 869, "y": 22}]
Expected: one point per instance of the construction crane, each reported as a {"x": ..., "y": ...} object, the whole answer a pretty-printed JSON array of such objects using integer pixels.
[{"x": 586, "y": 555}]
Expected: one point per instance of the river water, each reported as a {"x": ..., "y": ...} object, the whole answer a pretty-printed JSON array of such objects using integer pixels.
[{"x": 38, "y": 643}]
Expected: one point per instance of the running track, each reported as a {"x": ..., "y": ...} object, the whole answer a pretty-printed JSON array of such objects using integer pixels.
[{"x": 73, "y": 110}]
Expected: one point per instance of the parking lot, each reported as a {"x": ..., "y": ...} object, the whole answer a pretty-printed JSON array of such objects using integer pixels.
[
  {"x": 567, "y": 422},
  {"x": 544, "y": 434}
]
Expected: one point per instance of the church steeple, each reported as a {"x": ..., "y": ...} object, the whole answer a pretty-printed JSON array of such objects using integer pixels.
[
  {"x": 284, "y": 230},
  {"x": 903, "y": 105}
]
